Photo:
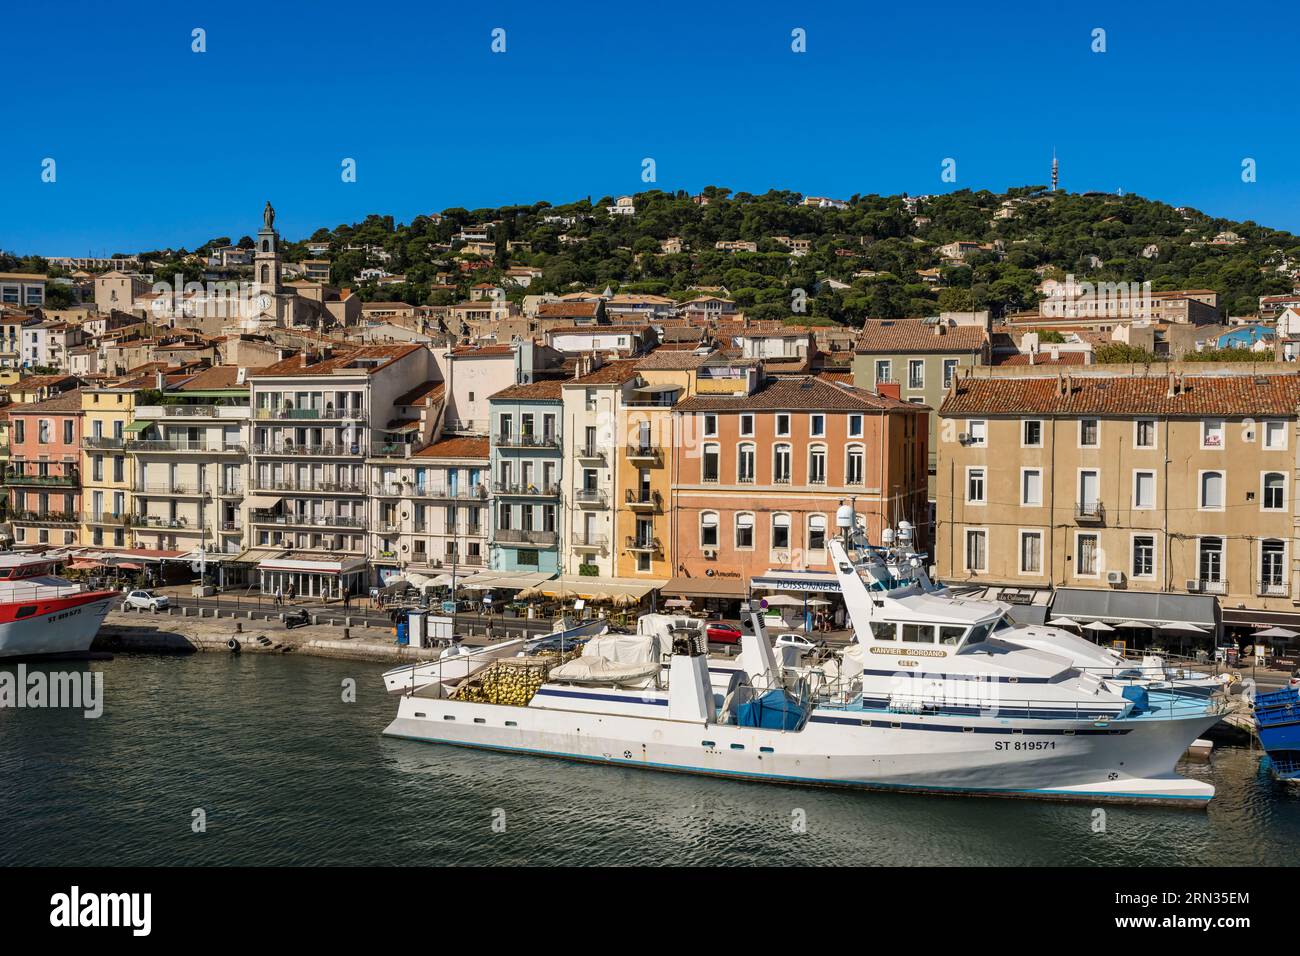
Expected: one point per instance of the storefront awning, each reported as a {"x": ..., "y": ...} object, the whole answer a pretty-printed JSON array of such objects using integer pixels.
[
  {"x": 1240, "y": 617},
  {"x": 1112, "y": 607},
  {"x": 254, "y": 555},
  {"x": 506, "y": 580},
  {"x": 795, "y": 581},
  {"x": 311, "y": 563},
  {"x": 706, "y": 587},
  {"x": 587, "y": 586}
]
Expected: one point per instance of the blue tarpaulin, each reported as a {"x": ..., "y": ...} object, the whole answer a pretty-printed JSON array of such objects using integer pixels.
[{"x": 775, "y": 710}]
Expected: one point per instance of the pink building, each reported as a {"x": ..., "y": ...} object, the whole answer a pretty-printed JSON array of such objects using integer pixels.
[{"x": 43, "y": 479}]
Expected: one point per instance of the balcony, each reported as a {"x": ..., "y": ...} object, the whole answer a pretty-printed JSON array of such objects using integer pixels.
[
  {"x": 178, "y": 488},
  {"x": 306, "y": 521},
  {"x": 545, "y": 539},
  {"x": 643, "y": 500},
  {"x": 590, "y": 498},
  {"x": 45, "y": 518},
  {"x": 328, "y": 413},
  {"x": 589, "y": 453},
  {"x": 19, "y": 478},
  {"x": 589, "y": 542},
  {"x": 527, "y": 441},
  {"x": 106, "y": 517},
  {"x": 149, "y": 412},
  {"x": 308, "y": 486},
  {"x": 1272, "y": 589},
  {"x": 102, "y": 443},
  {"x": 233, "y": 490},
  {"x": 514, "y": 490},
  {"x": 646, "y": 453},
  {"x": 643, "y": 543},
  {"x": 322, "y": 450},
  {"x": 1090, "y": 512},
  {"x": 181, "y": 445},
  {"x": 459, "y": 493},
  {"x": 1219, "y": 586},
  {"x": 162, "y": 521}
]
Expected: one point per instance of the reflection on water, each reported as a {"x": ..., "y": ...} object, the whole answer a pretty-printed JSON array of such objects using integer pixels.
[{"x": 286, "y": 772}]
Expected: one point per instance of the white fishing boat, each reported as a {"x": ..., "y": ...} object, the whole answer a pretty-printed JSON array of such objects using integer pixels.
[
  {"x": 929, "y": 701},
  {"x": 459, "y": 662}
]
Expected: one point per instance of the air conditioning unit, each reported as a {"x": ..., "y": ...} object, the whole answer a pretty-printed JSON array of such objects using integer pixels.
[
  {"x": 1114, "y": 577},
  {"x": 1193, "y": 585},
  {"x": 710, "y": 553}
]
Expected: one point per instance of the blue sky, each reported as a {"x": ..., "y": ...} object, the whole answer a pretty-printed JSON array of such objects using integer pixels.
[{"x": 158, "y": 146}]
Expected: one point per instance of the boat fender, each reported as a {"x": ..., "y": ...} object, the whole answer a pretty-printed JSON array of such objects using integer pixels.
[{"x": 233, "y": 645}]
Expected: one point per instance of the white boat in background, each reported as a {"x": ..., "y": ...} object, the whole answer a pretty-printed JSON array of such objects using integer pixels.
[
  {"x": 929, "y": 700},
  {"x": 459, "y": 662},
  {"x": 42, "y": 614}
]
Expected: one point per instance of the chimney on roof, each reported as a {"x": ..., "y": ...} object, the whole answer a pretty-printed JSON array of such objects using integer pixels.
[
  {"x": 1060, "y": 385},
  {"x": 940, "y": 328},
  {"x": 892, "y": 390},
  {"x": 1069, "y": 384},
  {"x": 158, "y": 380}
]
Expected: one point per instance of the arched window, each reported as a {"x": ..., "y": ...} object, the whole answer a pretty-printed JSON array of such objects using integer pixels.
[
  {"x": 817, "y": 533},
  {"x": 266, "y": 245},
  {"x": 817, "y": 465},
  {"x": 711, "y": 462},
  {"x": 780, "y": 531},
  {"x": 1212, "y": 490},
  {"x": 744, "y": 530},
  {"x": 745, "y": 458},
  {"x": 266, "y": 275},
  {"x": 1274, "y": 491},
  {"x": 855, "y": 464},
  {"x": 709, "y": 529}
]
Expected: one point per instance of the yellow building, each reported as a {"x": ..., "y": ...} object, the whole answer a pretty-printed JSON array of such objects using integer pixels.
[
  {"x": 1161, "y": 500},
  {"x": 105, "y": 467}
]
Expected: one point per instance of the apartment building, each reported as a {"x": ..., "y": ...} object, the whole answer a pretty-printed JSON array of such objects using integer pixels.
[
  {"x": 13, "y": 326},
  {"x": 922, "y": 357},
  {"x": 315, "y": 418},
  {"x": 527, "y": 460},
  {"x": 760, "y": 472},
  {"x": 106, "y": 468},
  {"x": 189, "y": 457},
  {"x": 1159, "y": 498},
  {"x": 22, "y": 289},
  {"x": 44, "y": 473},
  {"x": 431, "y": 512},
  {"x": 592, "y": 404}
]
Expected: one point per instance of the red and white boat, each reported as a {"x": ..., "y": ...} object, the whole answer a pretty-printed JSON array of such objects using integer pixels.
[{"x": 42, "y": 613}]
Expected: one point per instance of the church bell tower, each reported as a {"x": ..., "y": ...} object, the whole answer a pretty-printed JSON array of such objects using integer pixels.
[{"x": 266, "y": 261}]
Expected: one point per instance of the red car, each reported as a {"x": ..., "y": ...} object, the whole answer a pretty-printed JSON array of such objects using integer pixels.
[{"x": 720, "y": 633}]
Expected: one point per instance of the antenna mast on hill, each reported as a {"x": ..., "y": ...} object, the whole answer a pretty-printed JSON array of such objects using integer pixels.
[{"x": 1056, "y": 169}]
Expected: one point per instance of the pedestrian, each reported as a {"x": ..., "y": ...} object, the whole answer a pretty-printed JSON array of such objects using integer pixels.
[
  {"x": 291, "y": 591},
  {"x": 279, "y": 596},
  {"x": 347, "y": 600}
]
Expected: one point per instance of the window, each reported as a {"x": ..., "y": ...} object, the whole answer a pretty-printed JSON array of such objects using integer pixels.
[
  {"x": 884, "y": 631},
  {"x": 884, "y": 371},
  {"x": 918, "y": 633},
  {"x": 781, "y": 465},
  {"x": 1272, "y": 566},
  {"x": 745, "y": 463},
  {"x": 976, "y": 550},
  {"x": 817, "y": 533},
  {"x": 43, "y": 431},
  {"x": 710, "y": 426},
  {"x": 1144, "y": 434},
  {"x": 709, "y": 529},
  {"x": 1086, "y": 555},
  {"x": 817, "y": 465},
  {"x": 67, "y": 431},
  {"x": 783, "y": 424},
  {"x": 1274, "y": 435},
  {"x": 1212, "y": 433},
  {"x": 1211, "y": 560},
  {"x": 1144, "y": 556},
  {"x": 780, "y": 531},
  {"x": 975, "y": 486},
  {"x": 1211, "y": 491},
  {"x": 1144, "y": 490},
  {"x": 854, "y": 465},
  {"x": 1089, "y": 433},
  {"x": 1032, "y": 433},
  {"x": 949, "y": 369},
  {"x": 711, "y": 463},
  {"x": 1031, "y": 487},
  {"x": 1031, "y": 552},
  {"x": 746, "y": 425},
  {"x": 977, "y": 433},
  {"x": 817, "y": 425},
  {"x": 855, "y": 426},
  {"x": 744, "y": 530},
  {"x": 1274, "y": 497},
  {"x": 916, "y": 373}
]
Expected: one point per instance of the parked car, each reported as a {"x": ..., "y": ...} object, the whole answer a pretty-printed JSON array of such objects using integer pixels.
[
  {"x": 145, "y": 601},
  {"x": 719, "y": 632},
  {"x": 797, "y": 640}
]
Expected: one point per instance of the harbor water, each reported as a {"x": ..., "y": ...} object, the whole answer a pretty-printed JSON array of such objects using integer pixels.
[{"x": 214, "y": 759}]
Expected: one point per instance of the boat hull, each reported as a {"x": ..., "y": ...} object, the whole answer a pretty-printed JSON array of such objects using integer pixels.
[
  {"x": 1054, "y": 760},
  {"x": 56, "y": 626}
]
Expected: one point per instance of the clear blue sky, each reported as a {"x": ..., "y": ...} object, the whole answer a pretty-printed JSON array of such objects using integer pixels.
[{"x": 158, "y": 146}]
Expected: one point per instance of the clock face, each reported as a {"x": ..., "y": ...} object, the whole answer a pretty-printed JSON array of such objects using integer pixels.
[{"x": 263, "y": 302}]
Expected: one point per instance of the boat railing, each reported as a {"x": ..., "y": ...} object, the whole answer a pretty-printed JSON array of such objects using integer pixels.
[{"x": 13, "y": 593}]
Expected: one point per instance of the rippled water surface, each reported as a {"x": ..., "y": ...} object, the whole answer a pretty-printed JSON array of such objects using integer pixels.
[{"x": 287, "y": 773}]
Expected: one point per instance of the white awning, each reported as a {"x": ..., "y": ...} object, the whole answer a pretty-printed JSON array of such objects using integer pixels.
[
  {"x": 262, "y": 502},
  {"x": 590, "y": 586}
]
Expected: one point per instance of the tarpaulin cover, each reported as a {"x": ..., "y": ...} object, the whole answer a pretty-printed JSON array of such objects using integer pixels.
[{"x": 775, "y": 710}]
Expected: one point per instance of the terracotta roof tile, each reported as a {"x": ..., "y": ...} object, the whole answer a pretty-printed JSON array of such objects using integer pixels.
[
  {"x": 547, "y": 390},
  {"x": 915, "y": 335},
  {"x": 456, "y": 446},
  {"x": 799, "y": 393}
]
